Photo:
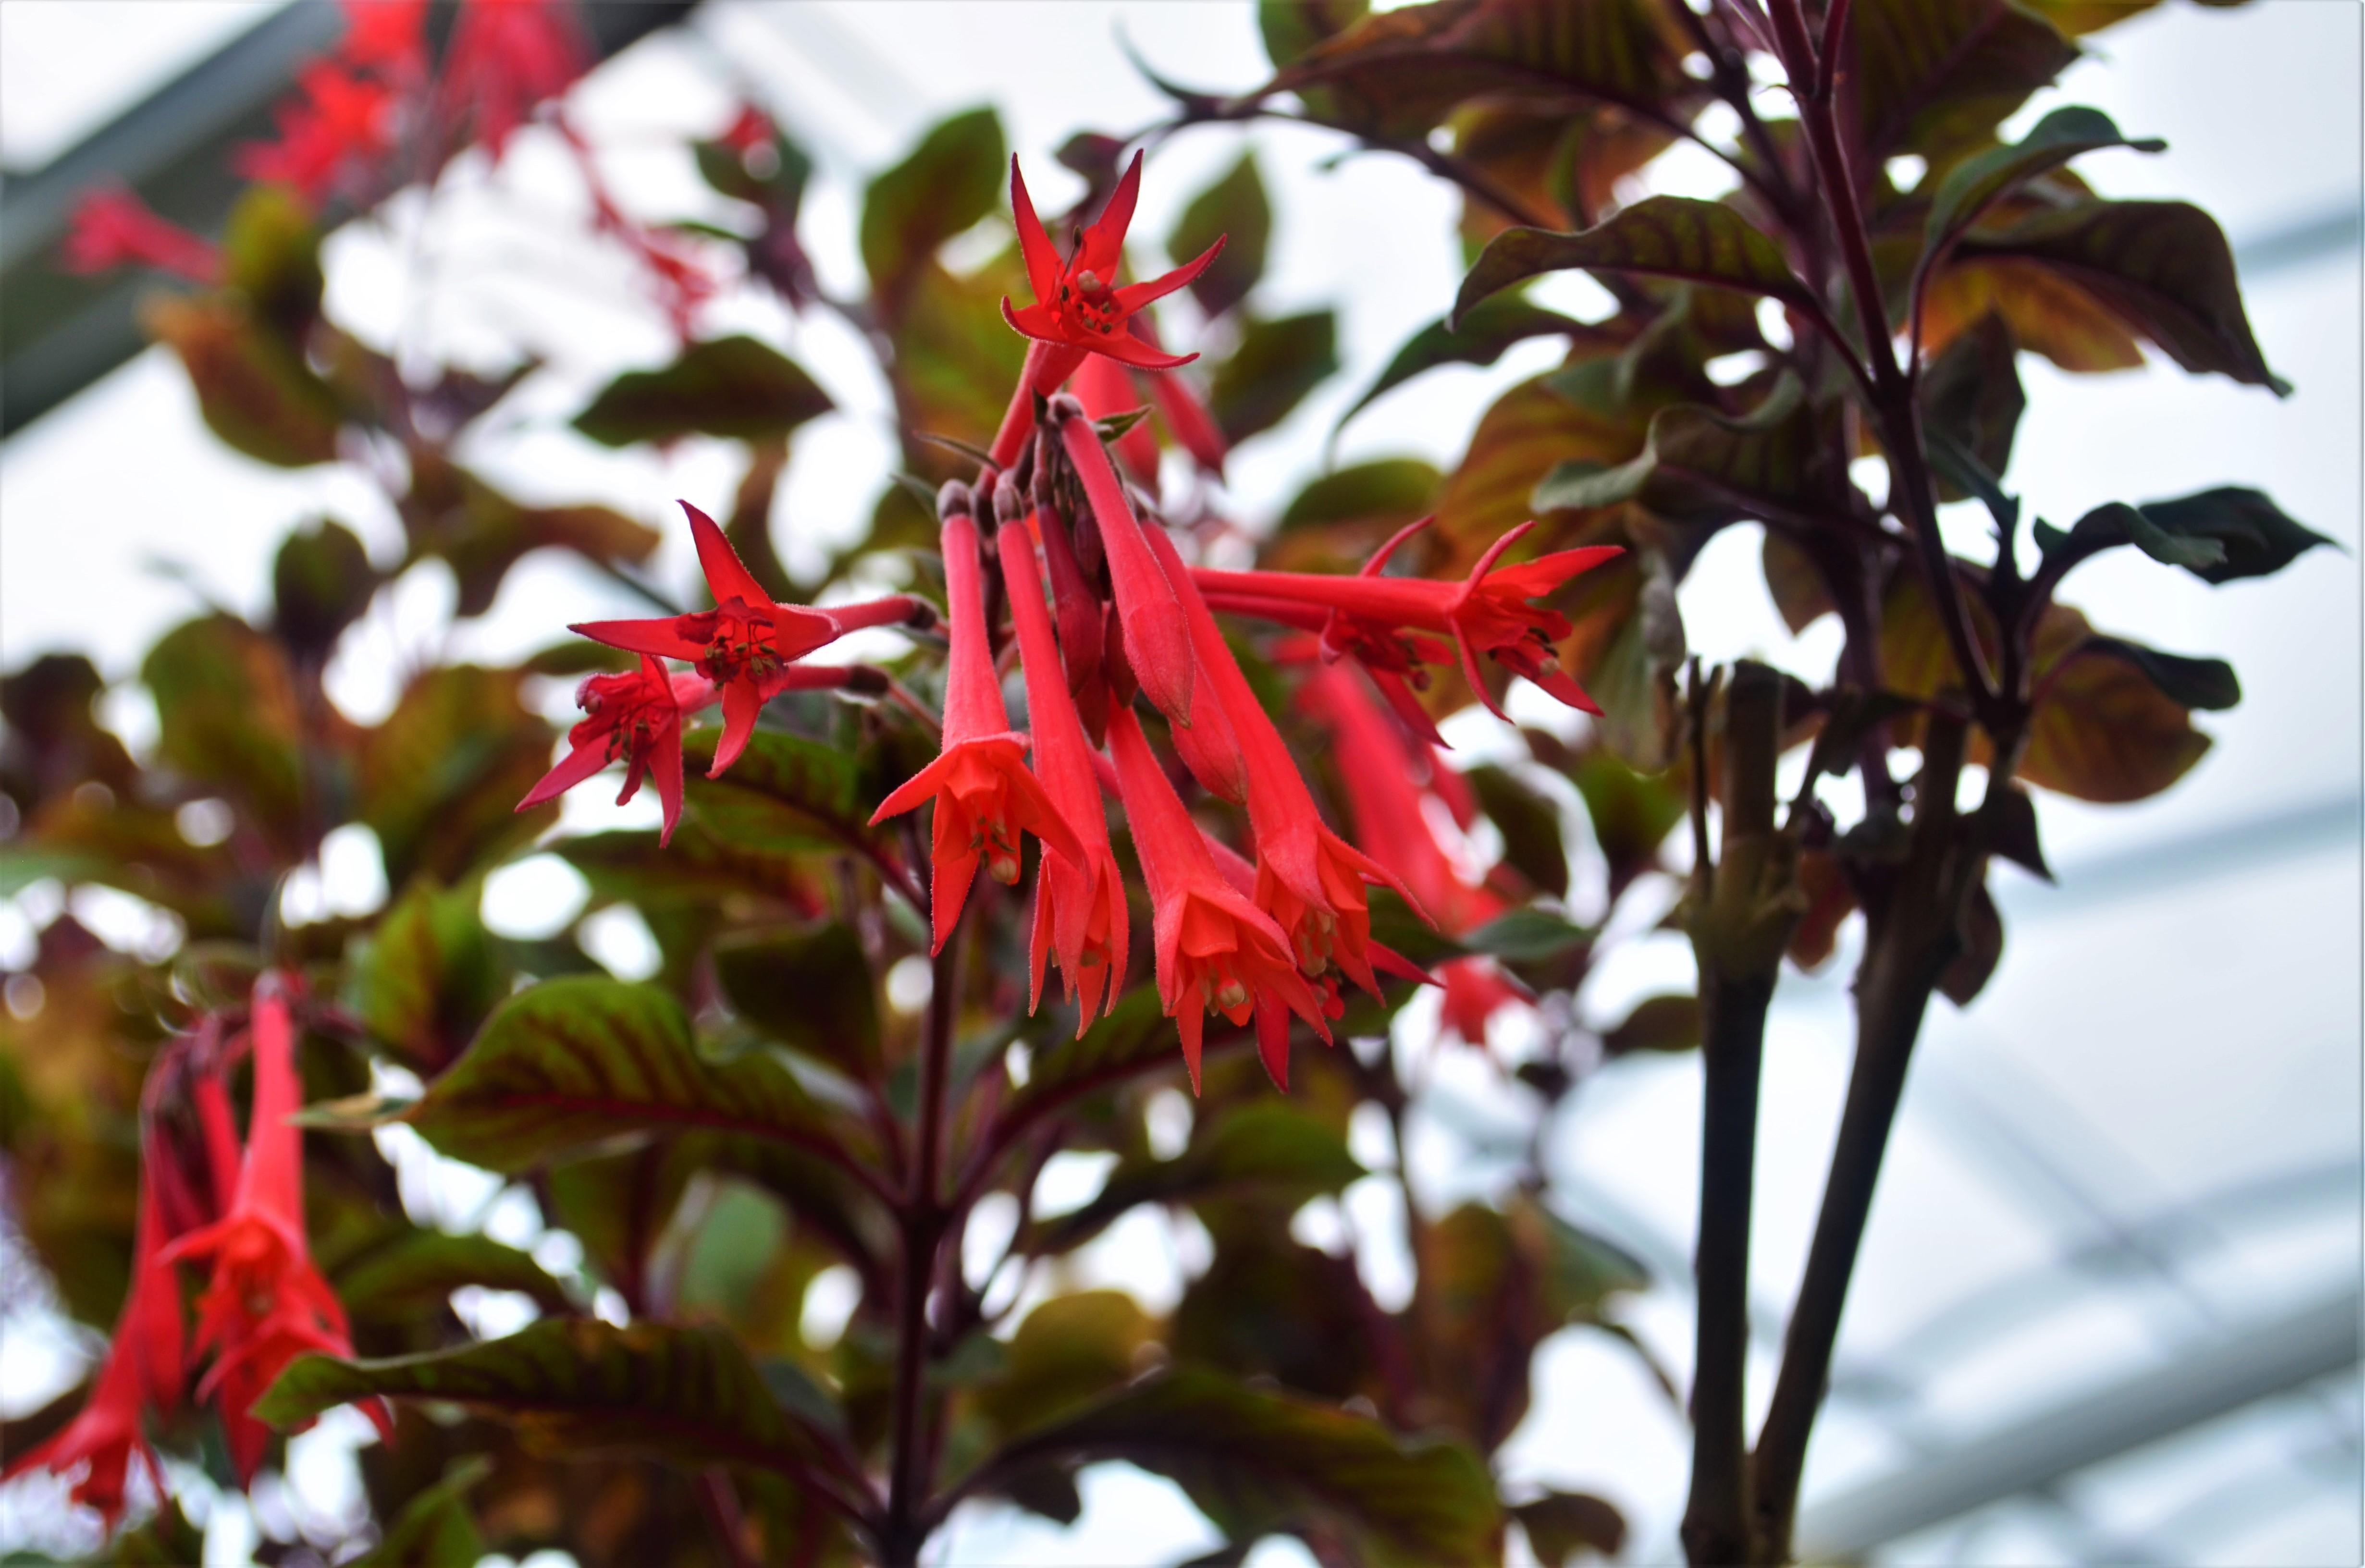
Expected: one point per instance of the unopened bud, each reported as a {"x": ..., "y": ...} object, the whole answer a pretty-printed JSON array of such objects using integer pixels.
[
  {"x": 1009, "y": 501},
  {"x": 866, "y": 680},
  {"x": 1065, "y": 406},
  {"x": 954, "y": 500},
  {"x": 922, "y": 616}
]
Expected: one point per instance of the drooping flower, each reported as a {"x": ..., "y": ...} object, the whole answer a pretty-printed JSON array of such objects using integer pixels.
[
  {"x": 985, "y": 798},
  {"x": 1105, "y": 389},
  {"x": 1079, "y": 904},
  {"x": 634, "y": 718},
  {"x": 1157, "y": 644},
  {"x": 266, "y": 1303},
  {"x": 142, "y": 1370},
  {"x": 385, "y": 34},
  {"x": 112, "y": 228},
  {"x": 746, "y": 644},
  {"x": 1077, "y": 302},
  {"x": 507, "y": 56},
  {"x": 1489, "y": 612},
  {"x": 1215, "y": 948},
  {"x": 1377, "y": 769},
  {"x": 1308, "y": 879}
]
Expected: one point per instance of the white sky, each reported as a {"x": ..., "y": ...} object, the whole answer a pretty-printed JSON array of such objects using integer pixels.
[{"x": 2156, "y": 1047}]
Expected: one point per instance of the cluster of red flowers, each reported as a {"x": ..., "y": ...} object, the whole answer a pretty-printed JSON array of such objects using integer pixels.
[
  {"x": 1102, "y": 607},
  {"x": 240, "y": 1215}
]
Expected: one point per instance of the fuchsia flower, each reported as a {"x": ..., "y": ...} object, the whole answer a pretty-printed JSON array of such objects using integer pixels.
[
  {"x": 342, "y": 119},
  {"x": 1079, "y": 904},
  {"x": 985, "y": 798},
  {"x": 112, "y": 228},
  {"x": 266, "y": 1304},
  {"x": 1215, "y": 948},
  {"x": 507, "y": 56},
  {"x": 385, "y": 34},
  {"x": 1490, "y": 611},
  {"x": 1307, "y": 878},
  {"x": 1157, "y": 643},
  {"x": 1077, "y": 303},
  {"x": 746, "y": 644},
  {"x": 142, "y": 1369},
  {"x": 634, "y": 718}
]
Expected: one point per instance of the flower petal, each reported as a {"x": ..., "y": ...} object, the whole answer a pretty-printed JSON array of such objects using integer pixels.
[
  {"x": 1134, "y": 296},
  {"x": 727, "y": 577},
  {"x": 570, "y": 770},
  {"x": 1033, "y": 243},
  {"x": 741, "y": 703},
  {"x": 1103, "y": 248}
]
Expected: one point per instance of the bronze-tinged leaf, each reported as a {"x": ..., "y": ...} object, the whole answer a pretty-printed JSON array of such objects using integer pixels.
[
  {"x": 425, "y": 978},
  {"x": 1971, "y": 404},
  {"x": 786, "y": 794},
  {"x": 435, "y": 1528},
  {"x": 1657, "y": 1024},
  {"x": 1662, "y": 236},
  {"x": 956, "y": 359},
  {"x": 1932, "y": 77},
  {"x": 1483, "y": 336},
  {"x": 2102, "y": 730},
  {"x": 254, "y": 389},
  {"x": 1982, "y": 949},
  {"x": 1235, "y": 210},
  {"x": 577, "y": 1388},
  {"x": 322, "y": 580},
  {"x": 1562, "y": 1526},
  {"x": 412, "y": 1272},
  {"x": 952, "y": 179},
  {"x": 1256, "y": 1461},
  {"x": 2047, "y": 314},
  {"x": 2163, "y": 268},
  {"x": 1529, "y": 823},
  {"x": 2076, "y": 18},
  {"x": 1972, "y": 185},
  {"x": 1518, "y": 440},
  {"x": 1562, "y": 167},
  {"x": 733, "y": 386},
  {"x": 1290, "y": 28},
  {"x": 439, "y": 781},
  {"x": 576, "y": 1065},
  {"x": 1830, "y": 901},
  {"x": 1267, "y": 1153},
  {"x": 229, "y": 721},
  {"x": 1797, "y": 586},
  {"x": 1277, "y": 363},
  {"x": 2218, "y": 535},
  {"x": 1399, "y": 73},
  {"x": 53, "y": 742}
]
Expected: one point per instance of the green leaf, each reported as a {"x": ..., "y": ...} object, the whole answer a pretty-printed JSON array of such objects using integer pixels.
[
  {"x": 786, "y": 794},
  {"x": 320, "y": 582},
  {"x": 1932, "y": 77},
  {"x": 1530, "y": 827},
  {"x": 2206, "y": 684},
  {"x": 426, "y": 977},
  {"x": 1489, "y": 329},
  {"x": 227, "y": 711},
  {"x": 254, "y": 389},
  {"x": 1277, "y": 363},
  {"x": 166, "y": 1541},
  {"x": 1235, "y": 210},
  {"x": 1561, "y": 1525},
  {"x": 732, "y": 387},
  {"x": 415, "y": 1271},
  {"x": 1662, "y": 236},
  {"x": 435, "y": 1528},
  {"x": 1518, "y": 440},
  {"x": 1528, "y": 935},
  {"x": 1272, "y": 1152},
  {"x": 1135, "y": 1036},
  {"x": 1256, "y": 1461},
  {"x": 2162, "y": 267},
  {"x": 809, "y": 988},
  {"x": 1705, "y": 468},
  {"x": 950, "y": 182},
  {"x": 271, "y": 253},
  {"x": 1976, "y": 181},
  {"x": 1069, "y": 1351},
  {"x": 2218, "y": 535},
  {"x": 1971, "y": 404},
  {"x": 1657, "y": 1024},
  {"x": 577, "y": 1388},
  {"x": 573, "y": 1064},
  {"x": 439, "y": 781},
  {"x": 1631, "y": 813},
  {"x": 1982, "y": 949},
  {"x": 1387, "y": 490},
  {"x": 1290, "y": 28}
]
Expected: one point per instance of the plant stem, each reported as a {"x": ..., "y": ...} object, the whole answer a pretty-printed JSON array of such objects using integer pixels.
[
  {"x": 922, "y": 1220},
  {"x": 1744, "y": 915},
  {"x": 1914, "y": 934}
]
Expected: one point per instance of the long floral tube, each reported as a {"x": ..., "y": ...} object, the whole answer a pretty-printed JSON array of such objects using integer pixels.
[{"x": 1156, "y": 641}]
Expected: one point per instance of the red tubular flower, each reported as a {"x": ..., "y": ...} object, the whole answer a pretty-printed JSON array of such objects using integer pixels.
[
  {"x": 1077, "y": 302},
  {"x": 746, "y": 644},
  {"x": 1489, "y": 612},
  {"x": 142, "y": 1369},
  {"x": 342, "y": 120},
  {"x": 112, "y": 228},
  {"x": 1079, "y": 904},
  {"x": 508, "y": 56},
  {"x": 634, "y": 718},
  {"x": 385, "y": 34},
  {"x": 1156, "y": 642},
  {"x": 1215, "y": 948},
  {"x": 266, "y": 1304},
  {"x": 985, "y": 798},
  {"x": 1308, "y": 879},
  {"x": 1105, "y": 388}
]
